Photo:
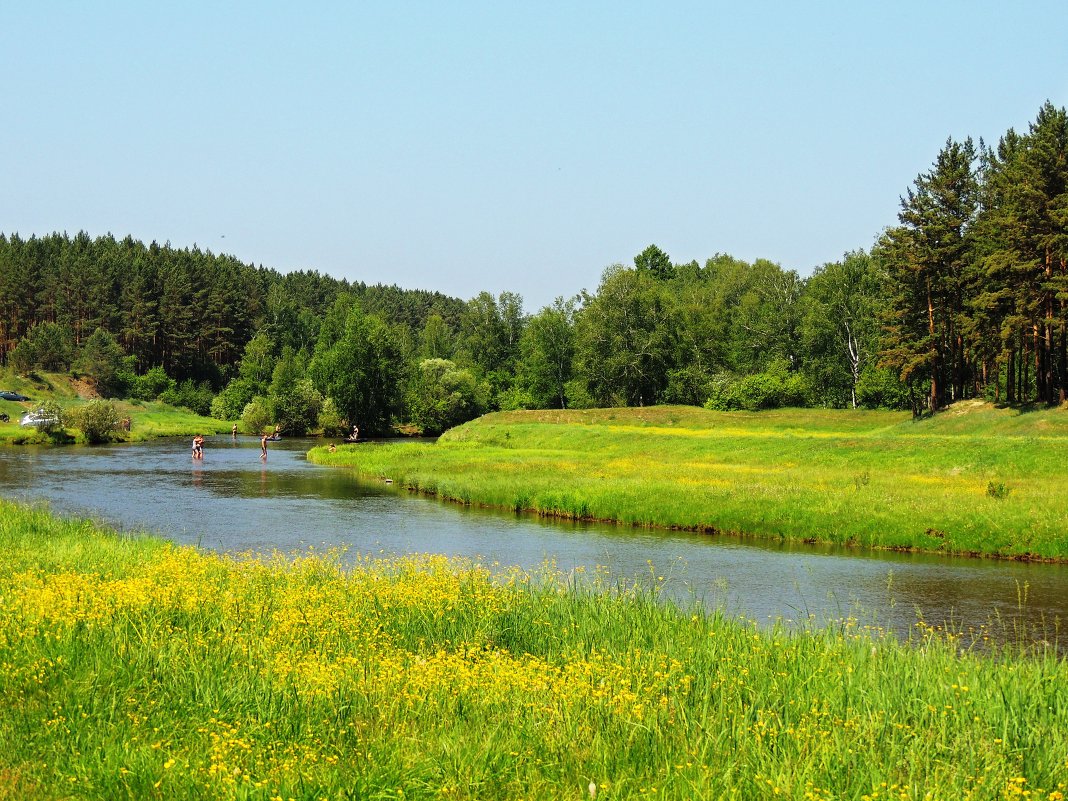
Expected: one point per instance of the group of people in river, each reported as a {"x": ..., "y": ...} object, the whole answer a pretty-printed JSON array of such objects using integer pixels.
[{"x": 198, "y": 441}]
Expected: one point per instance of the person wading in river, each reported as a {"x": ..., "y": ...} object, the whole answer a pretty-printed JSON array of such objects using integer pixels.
[{"x": 263, "y": 446}]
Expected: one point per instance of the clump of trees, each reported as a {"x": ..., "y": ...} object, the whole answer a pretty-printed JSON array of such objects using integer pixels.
[
  {"x": 967, "y": 296},
  {"x": 977, "y": 271}
]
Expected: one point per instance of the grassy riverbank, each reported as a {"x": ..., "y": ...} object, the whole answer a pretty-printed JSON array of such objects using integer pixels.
[
  {"x": 974, "y": 479},
  {"x": 131, "y": 668},
  {"x": 149, "y": 419}
]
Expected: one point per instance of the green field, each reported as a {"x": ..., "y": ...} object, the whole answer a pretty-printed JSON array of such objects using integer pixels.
[
  {"x": 134, "y": 669},
  {"x": 974, "y": 479},
  {"x": 149, "y": 419}
]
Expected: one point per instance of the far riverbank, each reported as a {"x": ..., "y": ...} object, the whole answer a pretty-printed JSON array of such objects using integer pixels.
[
  {"x": 974, "y": 480},
  {"x": 148, "y": 419}
]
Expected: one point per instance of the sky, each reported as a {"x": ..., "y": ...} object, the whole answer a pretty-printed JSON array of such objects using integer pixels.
[{"x": 464, "y": 147}]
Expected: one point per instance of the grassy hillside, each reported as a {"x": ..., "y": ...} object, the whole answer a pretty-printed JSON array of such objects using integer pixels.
[
  {"x": 148, "y": 419},
  {"x": 974, "y": 479},
  {"x": 135, "y": 669}
]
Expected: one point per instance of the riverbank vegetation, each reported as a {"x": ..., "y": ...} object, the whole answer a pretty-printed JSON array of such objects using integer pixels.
[
  {"x": 136, "y": 669},
  {"x": 81, "y": 416},
  {"x": 966, "y": 297},
  {"x": 976, "y": 479}
]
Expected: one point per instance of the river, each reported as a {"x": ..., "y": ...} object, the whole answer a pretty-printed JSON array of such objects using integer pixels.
[{"x": 233, "y": 501}]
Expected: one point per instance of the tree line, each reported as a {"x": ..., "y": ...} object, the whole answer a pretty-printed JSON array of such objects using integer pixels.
[
  {"x": 977, "y": 270},
  {"x": 965, "y": 297}
]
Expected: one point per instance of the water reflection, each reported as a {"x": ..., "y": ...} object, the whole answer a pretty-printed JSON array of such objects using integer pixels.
[{"x": 232, "y": 500}]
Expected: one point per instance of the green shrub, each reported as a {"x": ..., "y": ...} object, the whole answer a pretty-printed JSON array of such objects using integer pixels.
[
  {"x": 97, "y": 420},
  {"x": 878, "y": 388},
  {"x": 330, "y": 420},
  {"x": 152, "y": 384},
  {"x": 442, "y": 396},
  {"x": 196, "y": 398},
  {"x": 691, "y": 385},
  {"x": 516, "y": 398},
  {"x": 775, "y": 387},
  {"x": 578, "y": 395},
  {"x": 231, "y": 402},
  {"x": 256, "y": 415},
  {"x": 997, "y": 489},
  {"x": 296, "y": 407}
]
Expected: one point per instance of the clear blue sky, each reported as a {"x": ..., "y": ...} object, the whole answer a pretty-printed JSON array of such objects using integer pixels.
[{"x": 501, "y": 146}]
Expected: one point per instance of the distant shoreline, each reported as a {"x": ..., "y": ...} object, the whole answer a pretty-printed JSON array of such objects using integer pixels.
[{"x": 976, "y": 480}]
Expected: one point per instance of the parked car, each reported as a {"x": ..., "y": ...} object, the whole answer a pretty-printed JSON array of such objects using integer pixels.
[
  {"x": 7, "y": 394},
  {"x": 39, "y": 419}
]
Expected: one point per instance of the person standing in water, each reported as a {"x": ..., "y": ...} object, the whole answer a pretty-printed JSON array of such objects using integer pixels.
[
  {"x": 233, "y": 431},
  {"x": 263, "y": 446}
]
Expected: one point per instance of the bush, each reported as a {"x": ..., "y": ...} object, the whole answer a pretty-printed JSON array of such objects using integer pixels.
[
  {"x": 997, "y": 489},
  {"x": 256, "y": 415},
  {"x": 878, "y": 388},
  {"x": 330, "y": 419},
  {"x": 578, "y": 395},
  {"x": 296, "y": 408},
  {"x": 152, "y": 384},
  {"x": 516, "y": 398},
  {"x": 443, "y": 396},
  {"x": 774, "y": 388},
  {"x": 97, "y": 420},
  {"x": 195, "y": 398},
  {"x": 231, "y": 402},
  {"x": 690, "y": 385}
]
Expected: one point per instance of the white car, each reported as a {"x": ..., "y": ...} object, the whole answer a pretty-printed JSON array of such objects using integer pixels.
[{"x": 39, "y": 419}]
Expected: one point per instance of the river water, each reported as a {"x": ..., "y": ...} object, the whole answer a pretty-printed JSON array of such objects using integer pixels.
[{"x": 233, "y": 501}]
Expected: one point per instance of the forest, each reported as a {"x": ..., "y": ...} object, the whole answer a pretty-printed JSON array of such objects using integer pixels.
[{"x": 966, "y": 296}]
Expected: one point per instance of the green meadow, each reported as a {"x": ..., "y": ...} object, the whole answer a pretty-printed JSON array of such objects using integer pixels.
[
  {"x": 148, "y": 419},
  {"x": 131, "y": 668},
  {"x": 974, "y": 479}
]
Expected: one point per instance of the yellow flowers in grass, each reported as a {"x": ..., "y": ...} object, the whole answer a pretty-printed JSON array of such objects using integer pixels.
[{"x": 135, "y": 670}]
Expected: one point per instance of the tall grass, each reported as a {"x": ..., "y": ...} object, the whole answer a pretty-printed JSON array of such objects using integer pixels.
[
  {"x": 131, "y": 668},
  {"x": 858, "y": 478}
]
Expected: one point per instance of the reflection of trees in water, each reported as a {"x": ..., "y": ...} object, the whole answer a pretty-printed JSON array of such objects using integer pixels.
[{"x": 330, "y": 484}]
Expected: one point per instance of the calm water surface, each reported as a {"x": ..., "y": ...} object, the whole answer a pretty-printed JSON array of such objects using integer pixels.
[{"x": 233, "y": 501}]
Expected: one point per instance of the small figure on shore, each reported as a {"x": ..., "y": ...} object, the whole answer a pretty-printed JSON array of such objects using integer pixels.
[
  {"x": 233, "y": 431},
  {"x": 263, "y": 446},
  {"x": 355, "y": 434},
  {"x": 333, "y": 448}
]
